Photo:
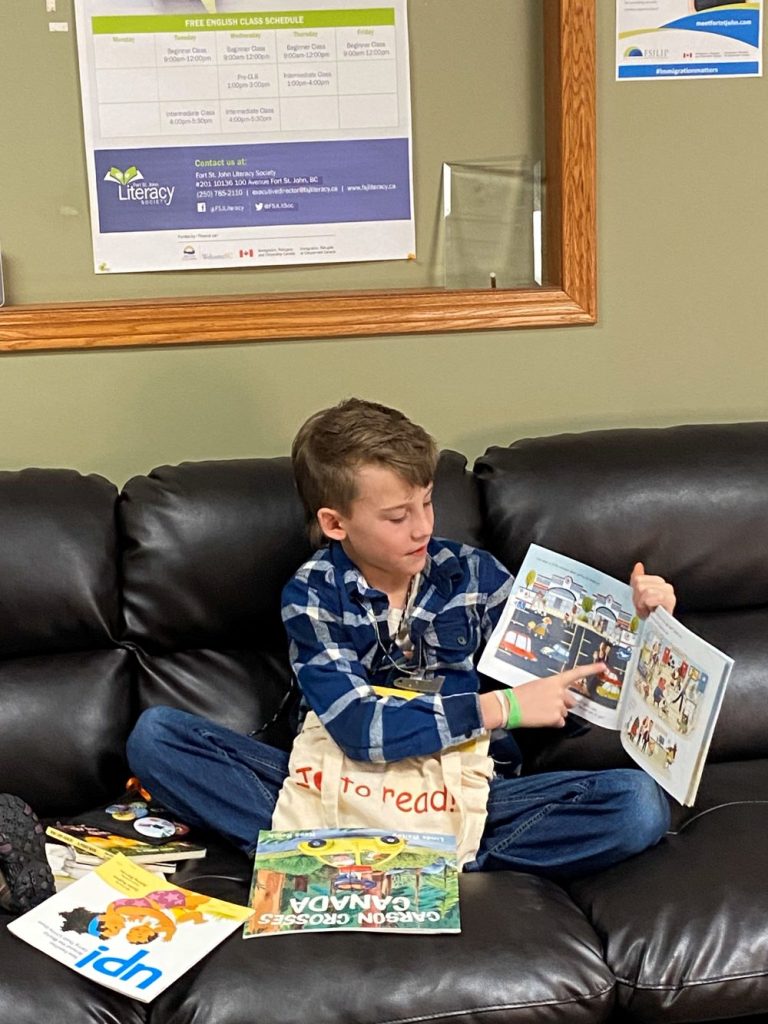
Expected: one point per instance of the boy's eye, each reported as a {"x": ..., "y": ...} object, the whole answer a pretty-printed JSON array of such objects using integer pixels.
[{"x": 397, "y": 519}]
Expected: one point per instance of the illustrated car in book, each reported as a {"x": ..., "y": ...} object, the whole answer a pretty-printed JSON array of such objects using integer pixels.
[{"x": 517, "y": 643}]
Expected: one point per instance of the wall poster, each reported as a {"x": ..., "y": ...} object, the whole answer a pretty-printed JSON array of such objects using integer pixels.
[
  {"x": 663, "y": 39},
  {"x": 224, "y": 133}
]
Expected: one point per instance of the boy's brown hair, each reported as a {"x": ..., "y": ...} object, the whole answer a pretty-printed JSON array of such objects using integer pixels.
[{"x": 335, "y": 443}]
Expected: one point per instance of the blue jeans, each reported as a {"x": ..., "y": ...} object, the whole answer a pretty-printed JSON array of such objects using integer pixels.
[{"x": 560, "y": 824}]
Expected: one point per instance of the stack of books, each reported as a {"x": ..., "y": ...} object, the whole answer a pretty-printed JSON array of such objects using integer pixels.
[{"x": 134, "y": 825}]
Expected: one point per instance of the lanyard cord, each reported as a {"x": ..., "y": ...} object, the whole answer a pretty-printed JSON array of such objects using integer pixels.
[{"x": 402, "y": 632}]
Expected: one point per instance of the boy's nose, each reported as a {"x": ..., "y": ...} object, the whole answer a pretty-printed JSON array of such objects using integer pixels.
[{"x": 422, "y": 524}]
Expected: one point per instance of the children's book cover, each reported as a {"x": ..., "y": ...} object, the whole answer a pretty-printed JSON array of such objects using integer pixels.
[
  {"x": 128, "y": 929},
  {"x": 662, "y": 685},
  {"x": 135, "y": 815},
  {"x": 353, "y": 880},
  {"x": 93, "y": 844}
]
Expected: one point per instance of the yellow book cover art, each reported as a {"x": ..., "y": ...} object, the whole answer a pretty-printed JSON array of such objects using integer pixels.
[{"x": 146, "y": 897}]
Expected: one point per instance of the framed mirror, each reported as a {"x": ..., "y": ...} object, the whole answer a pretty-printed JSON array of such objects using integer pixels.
[{"x": 566, "y": 294}]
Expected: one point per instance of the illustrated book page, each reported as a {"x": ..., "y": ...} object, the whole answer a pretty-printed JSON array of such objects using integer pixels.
[
  {"x": 662, "y": 686},
  {"x": 671, "y": 702},
  {"x": 560, "y": 614}
]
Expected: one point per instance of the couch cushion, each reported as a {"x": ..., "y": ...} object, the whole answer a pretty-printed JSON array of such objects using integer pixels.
[
  {"x": 681, "y": 499},
  {"x": 241, "y": 689},
  {"x": 65, "y": 696},
  {"x": 207, "y": 549},
  {"x": 64, "y": 720},
  {"x": 525, "y": 954},
  {"x": 58, "y": 587},
  {"x": 34, "y": 988},
  {"x": 683, "y": 925}
]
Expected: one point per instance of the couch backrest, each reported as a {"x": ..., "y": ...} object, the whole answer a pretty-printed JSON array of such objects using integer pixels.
[
  {"x": 170, "y": 594},
  {"x": 690, "y": 502},
  {"x": 65, "y": 704},
  {"x": 207, "y": 549}
]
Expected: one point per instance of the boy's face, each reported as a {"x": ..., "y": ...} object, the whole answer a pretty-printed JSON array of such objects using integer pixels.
[{"x": 386, "y": 529}]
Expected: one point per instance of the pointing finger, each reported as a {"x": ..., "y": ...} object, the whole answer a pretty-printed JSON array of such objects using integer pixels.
[{"x": 570, "y": 676}]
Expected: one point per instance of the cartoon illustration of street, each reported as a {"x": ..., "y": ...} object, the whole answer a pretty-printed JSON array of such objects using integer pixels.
[
  {"x": 558, "y": 623},
  {"x": 651, "y": 741},
  {"x": 669, "y": 684}
]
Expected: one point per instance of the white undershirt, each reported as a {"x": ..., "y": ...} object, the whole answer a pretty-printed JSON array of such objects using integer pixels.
[{"x": 395, "y": 616}]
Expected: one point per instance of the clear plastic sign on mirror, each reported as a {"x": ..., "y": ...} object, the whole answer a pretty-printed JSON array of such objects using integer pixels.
[{"x": 492, "y": 223}]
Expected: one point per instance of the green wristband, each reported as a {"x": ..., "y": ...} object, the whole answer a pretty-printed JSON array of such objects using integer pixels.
[{"x": 515, "y": 715}]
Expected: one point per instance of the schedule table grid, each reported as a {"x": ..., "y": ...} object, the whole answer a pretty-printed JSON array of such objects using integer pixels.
[{"x": 237, "y": 82}]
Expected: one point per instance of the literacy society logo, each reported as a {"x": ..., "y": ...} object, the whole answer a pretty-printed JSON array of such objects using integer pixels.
[{"x": 129, "y": 189}]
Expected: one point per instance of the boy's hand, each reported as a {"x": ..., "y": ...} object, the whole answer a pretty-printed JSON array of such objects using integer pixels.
[
  {"x": 543, "y": 702},
  {"x": 649, "y": 592}
]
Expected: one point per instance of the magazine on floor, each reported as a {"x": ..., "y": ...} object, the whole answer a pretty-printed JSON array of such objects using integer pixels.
[
  {"x": 128, "y": 929},
  {"x": 353, "y": 880},
  {"x": 663, "y": 685}
]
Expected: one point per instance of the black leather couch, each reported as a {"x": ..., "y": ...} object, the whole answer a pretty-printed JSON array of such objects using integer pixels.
[{"x": 169, "y": 593}]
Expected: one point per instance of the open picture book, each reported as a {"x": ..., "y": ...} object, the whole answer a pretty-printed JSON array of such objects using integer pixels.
[{"x": 663, "y": 685}]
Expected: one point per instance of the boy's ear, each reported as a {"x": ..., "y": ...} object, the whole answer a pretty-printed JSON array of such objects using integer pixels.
[{"x": 330, "y": 522}]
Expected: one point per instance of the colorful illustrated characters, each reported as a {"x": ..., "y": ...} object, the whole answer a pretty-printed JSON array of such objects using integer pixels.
[
  {"x": 146, "y": 918},
  {"x": 358, "y": 859},
  {"x": 540, "y": 629}
]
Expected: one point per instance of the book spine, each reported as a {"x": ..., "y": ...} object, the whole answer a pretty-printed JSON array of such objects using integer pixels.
[{"x": 76, "y": 843}]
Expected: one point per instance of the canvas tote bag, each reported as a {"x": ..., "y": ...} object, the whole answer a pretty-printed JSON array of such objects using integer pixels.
[{"x": 444, "y": 792}]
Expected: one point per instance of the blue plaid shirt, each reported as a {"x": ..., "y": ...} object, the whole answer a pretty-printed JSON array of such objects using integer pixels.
[{"x": 340, "y": 648}]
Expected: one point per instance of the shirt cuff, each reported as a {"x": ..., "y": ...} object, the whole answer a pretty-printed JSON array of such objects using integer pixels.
[{"x": 462, "y": 715}]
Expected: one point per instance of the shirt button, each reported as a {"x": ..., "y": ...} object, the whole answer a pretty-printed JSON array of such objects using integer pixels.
[{"x": 461, "y": 641}]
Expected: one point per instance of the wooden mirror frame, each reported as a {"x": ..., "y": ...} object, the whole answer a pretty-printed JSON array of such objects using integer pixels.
[{"x": 569, "y": 68}]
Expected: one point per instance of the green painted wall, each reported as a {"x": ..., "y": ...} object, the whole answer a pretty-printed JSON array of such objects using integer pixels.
[{"x": 683, "y": 224}]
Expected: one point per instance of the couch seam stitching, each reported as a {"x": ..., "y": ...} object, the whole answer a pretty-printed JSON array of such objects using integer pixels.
[
  {"x": 690, "y": 984},
  {"x": 499, "y": 1007}
]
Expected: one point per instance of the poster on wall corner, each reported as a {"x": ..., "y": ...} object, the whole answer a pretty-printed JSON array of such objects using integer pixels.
[{"x": 688, "y": 39}]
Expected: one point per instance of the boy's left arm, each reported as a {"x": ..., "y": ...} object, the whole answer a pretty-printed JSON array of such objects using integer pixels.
[{"x": 649, "y": 592}]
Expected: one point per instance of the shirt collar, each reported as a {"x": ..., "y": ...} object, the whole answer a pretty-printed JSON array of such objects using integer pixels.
[{"x": 441, "y": 569}]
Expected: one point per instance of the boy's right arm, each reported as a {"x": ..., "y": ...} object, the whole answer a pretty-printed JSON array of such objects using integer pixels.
[{"x": 542, "y": 702}]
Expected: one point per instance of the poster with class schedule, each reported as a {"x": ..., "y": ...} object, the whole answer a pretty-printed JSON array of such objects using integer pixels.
[{"x": 236, "y": 133}]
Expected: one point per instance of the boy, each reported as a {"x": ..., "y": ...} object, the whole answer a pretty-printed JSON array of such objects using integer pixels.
[{"x": 383, "y": 601}]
